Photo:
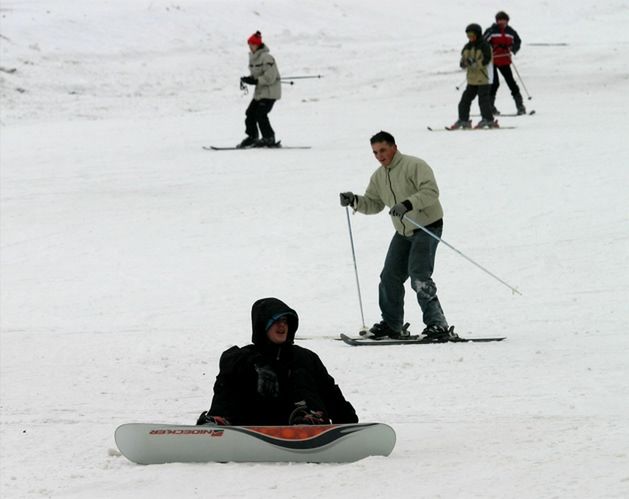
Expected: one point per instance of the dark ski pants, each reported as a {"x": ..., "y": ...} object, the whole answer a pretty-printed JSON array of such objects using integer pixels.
[
  {"x": 484, "y": 102},
  {"x": 414, "y": 257},
  {"x": 510, "y": 80},
  {"x": 257, "y": 115}
]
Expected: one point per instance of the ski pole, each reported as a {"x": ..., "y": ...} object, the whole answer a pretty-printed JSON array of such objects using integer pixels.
[
  {"x": 514, "y": 290},
  {"x": 300, "y": 77},
  {"x": 461, "y": 84},
  {"x": 521, "y": 80},
  {"x": 351, "y": 240}
]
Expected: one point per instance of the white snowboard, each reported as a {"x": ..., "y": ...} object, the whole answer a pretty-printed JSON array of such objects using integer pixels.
[{"x": 156, "y": 444}]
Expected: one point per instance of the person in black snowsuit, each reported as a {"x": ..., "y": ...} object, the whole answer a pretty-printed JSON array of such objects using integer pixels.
[{"x": 273, "y": 381}]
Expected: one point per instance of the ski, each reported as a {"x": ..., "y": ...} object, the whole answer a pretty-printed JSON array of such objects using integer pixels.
[
  {"x": 278, "y": 146},
  {"x": 164, "y": 443},
  {"x": 411, "y": 340},
  {"x": 448, "y": 129},
  {"x": 511, "y": 115}
]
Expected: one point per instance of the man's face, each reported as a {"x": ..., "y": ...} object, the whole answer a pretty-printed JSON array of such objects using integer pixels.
[
  {"x": 384, "y": 152},
  {"x": 471, "y": 36},
  {"x": 502, "y": 23},
  {"x": 278, "y": 332}
]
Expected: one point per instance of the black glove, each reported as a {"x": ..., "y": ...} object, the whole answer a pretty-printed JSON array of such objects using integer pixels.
[
  {"x": 400, "y": 209},
  {"x": 205, "y": 418},
  {"x": 347, "y": 198},
  {"x": 249, "y": 80},
  {"x": 304, "y": 416},
  {"x": 268, "y": 385}
]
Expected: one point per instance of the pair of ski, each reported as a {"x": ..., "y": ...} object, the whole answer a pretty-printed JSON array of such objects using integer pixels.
[
  {"x": 410, "y": 340},
  {"x": 472, "y": 129},
  {"x": 278, "y": 145}
]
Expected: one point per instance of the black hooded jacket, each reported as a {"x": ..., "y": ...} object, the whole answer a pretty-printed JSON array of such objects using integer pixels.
[{"x": 301, "y": 376}]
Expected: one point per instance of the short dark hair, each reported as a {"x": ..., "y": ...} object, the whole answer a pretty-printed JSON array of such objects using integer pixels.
[{"x": 382, "y": 136}]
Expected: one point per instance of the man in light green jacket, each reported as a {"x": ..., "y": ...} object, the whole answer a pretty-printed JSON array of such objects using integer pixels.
[
  {"x": 407, "y": 186},
  {"x": 266, "y": 77}
]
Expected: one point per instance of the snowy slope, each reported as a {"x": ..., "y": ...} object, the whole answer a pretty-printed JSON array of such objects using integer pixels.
[{"x": 130, "y": 257}]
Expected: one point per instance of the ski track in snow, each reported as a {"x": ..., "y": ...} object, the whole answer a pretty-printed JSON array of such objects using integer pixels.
[{"x": 130, "y": 256}]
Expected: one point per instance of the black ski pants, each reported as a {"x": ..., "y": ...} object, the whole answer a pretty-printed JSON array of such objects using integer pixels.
[
  {"x": 484, "y": 102},
  {"x": 510, "y": 80},
  {"x": 257, "y": 115}
]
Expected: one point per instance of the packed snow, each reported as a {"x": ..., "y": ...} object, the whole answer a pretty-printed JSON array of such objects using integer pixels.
[{"x": 130, "y": 256}]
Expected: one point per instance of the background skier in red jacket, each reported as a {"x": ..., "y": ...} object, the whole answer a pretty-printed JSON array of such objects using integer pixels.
[{"x": 505, "y": 42}]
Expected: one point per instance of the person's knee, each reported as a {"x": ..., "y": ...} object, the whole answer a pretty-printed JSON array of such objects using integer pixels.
[{"x": 425, "y": 288}]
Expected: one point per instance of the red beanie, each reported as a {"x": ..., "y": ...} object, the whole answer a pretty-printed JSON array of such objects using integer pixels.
[{"x": 255, "y": 39}]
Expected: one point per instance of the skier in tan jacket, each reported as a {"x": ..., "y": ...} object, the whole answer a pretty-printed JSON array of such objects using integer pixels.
[
  {"x": 407, "y": 186},
  {"x": 268, "y": 89},
  {"x": 476, "y": 59}
]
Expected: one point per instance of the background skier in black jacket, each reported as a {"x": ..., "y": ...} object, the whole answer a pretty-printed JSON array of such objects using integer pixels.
[{"x": 272, "y": 381}]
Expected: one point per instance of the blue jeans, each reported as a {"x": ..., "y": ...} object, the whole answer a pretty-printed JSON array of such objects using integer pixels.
[{"x": 414, "y": 257}]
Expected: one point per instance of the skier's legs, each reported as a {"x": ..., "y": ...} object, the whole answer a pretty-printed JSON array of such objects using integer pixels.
[
  {"x": 392, "y": 279},
  {"x": 420, "y": 267},
  {"x": 262, "y": 117},
  {"x": 466, "y": 102},
  {"x": 484, "y": 102},
  {"x": 513, "y": 86},
  {"x": 495, "y": 84},
  {"x": 251, "y": 122}
]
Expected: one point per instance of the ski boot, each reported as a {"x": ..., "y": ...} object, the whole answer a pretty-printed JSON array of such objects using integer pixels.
[
  {"x": 266, "y": 142},
  {"x": 487, "y": 124},
  {"x": 382, "y": 330},
  {"x": 461, "y": 124},
  {"x": 521, "y": 110},
  {"x": 248, "y": 141},
  {"x": 439, "y": 334}
]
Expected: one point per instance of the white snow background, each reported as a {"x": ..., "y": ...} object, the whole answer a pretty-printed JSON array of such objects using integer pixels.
[{"x": 131, "y": 256}]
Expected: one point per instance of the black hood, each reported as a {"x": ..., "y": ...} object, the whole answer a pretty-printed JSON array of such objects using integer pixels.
[
  {"x": 475, "y": 28},
  {"x": 264, "y": 312}
]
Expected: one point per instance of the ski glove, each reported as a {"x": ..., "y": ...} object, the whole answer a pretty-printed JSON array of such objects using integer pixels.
[
  {"x": 400, "y": 209},
  {"x": 268, "y": 384},
  {"x": 249, "y": 80},
  {"x": 205, "y": 418},
  {"x": 304, "y": 416},
  {"x": 347, "y": 198}
]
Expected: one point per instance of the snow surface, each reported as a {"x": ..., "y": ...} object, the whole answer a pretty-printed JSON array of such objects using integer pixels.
[{"x": 131, "y": 257}]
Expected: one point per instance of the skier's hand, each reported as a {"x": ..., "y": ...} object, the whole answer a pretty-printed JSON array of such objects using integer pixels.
[
  {"x": 249, "y": 80},
  {"x": 400, "y": 209},
  {"x": 304, "y": 416},
  {"x": 268, "y": 385},
  {"x": 205, "y": 418},
  {"x": 347, "y": 198}
]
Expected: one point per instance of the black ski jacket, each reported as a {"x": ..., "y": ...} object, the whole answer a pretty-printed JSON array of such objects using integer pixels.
[{"x": 301, "y": 376}]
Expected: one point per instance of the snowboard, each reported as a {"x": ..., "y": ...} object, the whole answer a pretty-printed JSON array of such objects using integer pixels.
[
  {"x": 145, "y": 443},
  {"x": 411, "y": 340}
]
